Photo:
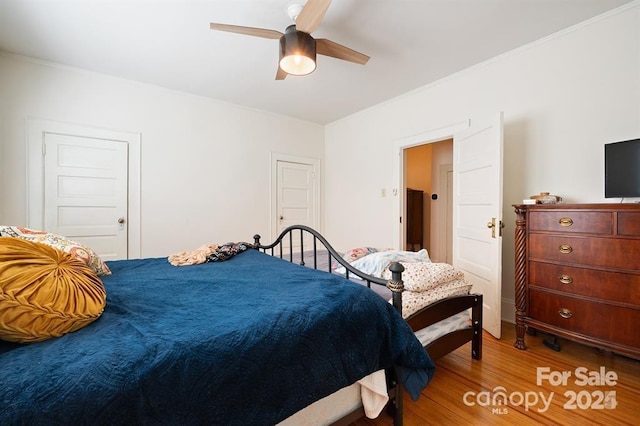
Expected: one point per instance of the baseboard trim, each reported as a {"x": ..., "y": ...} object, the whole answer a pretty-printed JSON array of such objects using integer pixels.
[{"x": 508, "y": 310}]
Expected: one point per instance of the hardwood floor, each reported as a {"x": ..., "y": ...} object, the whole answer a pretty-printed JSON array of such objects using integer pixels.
[{"x": 580, "y": 401}]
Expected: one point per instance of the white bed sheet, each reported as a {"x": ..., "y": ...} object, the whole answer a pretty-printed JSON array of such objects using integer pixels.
[{"x": 370, "y": 392}]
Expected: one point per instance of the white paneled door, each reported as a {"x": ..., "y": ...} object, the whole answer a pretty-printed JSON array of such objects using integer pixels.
[
  {"x": 297, "y": 193},
  {"x": 477, "y": 212},
  {"x": 85, "y": 192}
]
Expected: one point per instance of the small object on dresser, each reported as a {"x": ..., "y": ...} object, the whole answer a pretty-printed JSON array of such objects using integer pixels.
[
  {"x": 546, "y": 198},
  {"x": 529, "y": 201}
]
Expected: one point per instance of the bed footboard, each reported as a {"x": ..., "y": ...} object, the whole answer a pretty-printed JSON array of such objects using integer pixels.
[
  {"x": 305, "y": 246},
  {"x": 443, "y": 309}
]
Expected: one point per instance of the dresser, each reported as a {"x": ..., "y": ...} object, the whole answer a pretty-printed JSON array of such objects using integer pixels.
[{"x": 577, "y": 274}]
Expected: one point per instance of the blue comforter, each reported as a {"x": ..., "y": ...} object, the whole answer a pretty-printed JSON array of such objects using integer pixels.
[{"x": 248, "y": 341}]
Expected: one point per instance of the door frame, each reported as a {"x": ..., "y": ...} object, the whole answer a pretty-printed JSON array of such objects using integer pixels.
[
  {"x": 445, "y": 211},
  {"x": 315, "y": 164},
  {"x": 435, "y": 135},
  {"x": 36, "y": 130},
  {"x": 399, "y": 145}
]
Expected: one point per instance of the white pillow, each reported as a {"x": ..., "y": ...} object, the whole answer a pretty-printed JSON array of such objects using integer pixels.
[{"x": 375, "y": 263}]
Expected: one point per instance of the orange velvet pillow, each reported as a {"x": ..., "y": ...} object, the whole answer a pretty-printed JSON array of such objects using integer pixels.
[{"x": 45, "y": 292}]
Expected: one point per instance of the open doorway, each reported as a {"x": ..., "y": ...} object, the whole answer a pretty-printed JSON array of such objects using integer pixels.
[
  {"x": 428, "y": 188},
  {"x": 476, "y": 155}
]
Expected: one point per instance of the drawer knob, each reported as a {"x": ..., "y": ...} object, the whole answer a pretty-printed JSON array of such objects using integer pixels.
[
  {"x": 565, "y": 221},
  {"x": 565, "y": 313},
  {"x": 565, "y": 279},
  {"x": 565, "y": 248}
]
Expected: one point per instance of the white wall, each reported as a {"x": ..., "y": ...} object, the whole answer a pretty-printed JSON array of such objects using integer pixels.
[
  {"x": 563, "y": 98},
  {"x": 205, "y": 164}
]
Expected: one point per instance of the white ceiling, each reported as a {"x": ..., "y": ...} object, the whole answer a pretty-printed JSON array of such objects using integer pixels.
[{"x": 168, "y": 43}]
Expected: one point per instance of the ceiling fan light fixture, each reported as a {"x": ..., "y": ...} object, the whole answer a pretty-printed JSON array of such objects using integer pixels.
[{"x": 297, "y": 52}]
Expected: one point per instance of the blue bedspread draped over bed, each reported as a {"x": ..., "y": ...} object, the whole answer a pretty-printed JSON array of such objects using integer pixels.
[{"x": 249, "y": 341}]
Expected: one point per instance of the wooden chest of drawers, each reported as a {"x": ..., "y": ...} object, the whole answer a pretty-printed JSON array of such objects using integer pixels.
[{"x": 578, "y": 273}]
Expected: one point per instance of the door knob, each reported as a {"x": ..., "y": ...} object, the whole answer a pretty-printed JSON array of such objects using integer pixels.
[
  {"x": 281, "y": 217},
  {"x": 121, "y": 220}
]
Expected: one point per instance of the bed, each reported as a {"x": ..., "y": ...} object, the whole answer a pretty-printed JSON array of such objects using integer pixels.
[{"x": 251, "y": 340}]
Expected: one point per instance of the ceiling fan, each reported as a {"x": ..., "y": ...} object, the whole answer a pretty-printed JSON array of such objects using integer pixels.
[{"x": 298, "y": 48}]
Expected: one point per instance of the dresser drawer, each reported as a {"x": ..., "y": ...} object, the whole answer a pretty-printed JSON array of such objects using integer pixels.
[
  {"x": 569, "y": 221},
  {"x": 599, "y": 320},
  {"x": 629, "y": 223},
  {"x": 613, "y": 286},
  {"x": 595, "y": 252}
]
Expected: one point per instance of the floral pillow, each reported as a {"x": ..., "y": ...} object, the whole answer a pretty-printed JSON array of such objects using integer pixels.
[
  {"x": 425, "y": 276},
  {"x": 59, "y": 242}
]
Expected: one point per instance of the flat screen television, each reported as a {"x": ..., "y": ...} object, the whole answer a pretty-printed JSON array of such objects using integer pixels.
[{"x": 622, "y": 169}]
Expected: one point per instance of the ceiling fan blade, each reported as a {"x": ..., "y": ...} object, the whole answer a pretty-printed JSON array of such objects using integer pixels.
[
  {"x": 335, "y": 50},
  {"x": 258, "y": 32},
  {"x": 311, "y": 15},
  {"x": 280, "y": 74}
]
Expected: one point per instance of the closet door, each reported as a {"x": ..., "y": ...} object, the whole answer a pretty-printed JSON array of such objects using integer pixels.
[{"x": 85, "y": 192}]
